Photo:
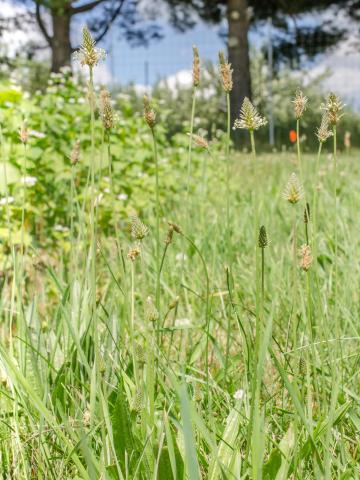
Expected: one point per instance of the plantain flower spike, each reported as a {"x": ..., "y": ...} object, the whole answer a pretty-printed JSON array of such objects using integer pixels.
[
  {"x": 226, "y": 73},
  {"x": 138, "y": 230},
  {"x": 149, "y": 113},
  {"x": 106, "y": 110},
  {"x": 306, "y": 258},
  {"x": 300, "y": 103},
  {"x": 263, "y": 240},
  {"x": 323, "y": 132},
  {"x": 199, "y": 141},
  {"x": 24, "y": 133},
  {"x": 196, "y": 67},
  {"x": 293, "y": 192},
  {"x": 333, "y": 108},
  {"x": 134, "y": 252},
  {"x": 249, "y": 118},
  {"x": 151, "y": 313},
  {"x": 88, "y": 54},
  {"x": 75, "y": 153}
]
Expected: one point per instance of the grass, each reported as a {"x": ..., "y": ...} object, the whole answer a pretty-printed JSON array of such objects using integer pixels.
[
  {"x": 244, "y": 367},
  {"x": 63, "y": 414}
]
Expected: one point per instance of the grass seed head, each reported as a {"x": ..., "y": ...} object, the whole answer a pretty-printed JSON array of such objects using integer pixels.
[
  {"x": 106, "y": 110},
  {"x": 176, "y": 228},
  {"x": 138, "y": 229},
  {"x": 75, "y": 153},
  {"x": 333, "y": 108},
  {"x": 263, "y": 240},
  {"x": 138, "y": 401},
  {"x": 174, "y": 303},
  {"x": 199, "y": 141},
  {"x": 88, "y": 54},
  {"x": 226, "y": 73},
  {"x": 323, "y": 132},
  {"x": 24, "y": 133},
  {"x": 300, "y": 103},
  {"x": 196, "y": 67},
  {"x": 293, "y": 191},
  {"x": 249, "y": 118},
  {"x": 134, "y": 252},
  {"x": 151, "y": 313},
  {"x": 169, "y": 235},
  {"x": 302, "y": 366},
  {"x": 307, "y": 213},
  {"x": 149, "y": 113},
  {"x": 306, "y": 258},
  {"x": 139, "y": 353}
]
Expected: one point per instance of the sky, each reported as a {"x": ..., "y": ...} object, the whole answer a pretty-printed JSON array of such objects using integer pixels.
[{"x": 171, "y": 57}]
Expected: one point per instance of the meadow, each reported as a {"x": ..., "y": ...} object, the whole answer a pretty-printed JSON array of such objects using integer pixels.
[{"x": 176, "y": 312}]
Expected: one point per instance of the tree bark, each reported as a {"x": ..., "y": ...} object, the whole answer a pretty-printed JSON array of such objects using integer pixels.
[
  {"x": 60, "y": 43},
  {"x": 238, "y": 53}
]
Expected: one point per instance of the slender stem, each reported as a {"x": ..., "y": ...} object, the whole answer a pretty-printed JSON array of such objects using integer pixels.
[
  {"x": 112, "y": 190},
  {"x": 72, "y": 235},
  {"x": 157, "y": 207},
  {"x": 227, "y": 151},
  {"x": 262, "y": 275},
  {"x": 336, "y": 307},
  {"x": 294, "y": 299},
  {"x": 254, "y": 380},
  {"x": 132, "y": 322},
  {"x": 299, "y": 149},
  {"x": 256, "y": 209},
  {"x": 190, "y": 151},
  {"x": 92, "y": 195},
  {"x": 23, "y": 209},
  {"x": 315, "y": 203}
]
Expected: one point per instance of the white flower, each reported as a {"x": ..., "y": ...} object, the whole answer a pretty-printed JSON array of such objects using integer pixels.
[
  {"x": 183, "y": 322},
  {"x": 180, "y": 257},
  {"x": 61, "y": 228},
  {"x": 122, "y": 196},
  {"x": 36, "y": 134},
  {"x": 98, "y": 199},
  {"x": 6, "y": 200},
  {"x": 65, "y": 70},
  {"x": 107, "y": 190},
  {"x": 29, "y": 181},
  {"x": 239, "y": 394}
]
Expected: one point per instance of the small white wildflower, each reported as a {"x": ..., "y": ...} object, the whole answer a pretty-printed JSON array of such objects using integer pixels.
[
  {"x": 36, "y": 134},
  {"x": 181, "y": 257},
  {"x": 239, "y": 394},
  {"x": 122, "y": 196},
  {"x": 6, "y": 200},
  {"x": 65, "y": 70},
  {"x": 183, "y": 322},
  {"x": 61, "y": 228},
  {"x": 28, "y": 181},
  {"x": 98, "y": 199}
]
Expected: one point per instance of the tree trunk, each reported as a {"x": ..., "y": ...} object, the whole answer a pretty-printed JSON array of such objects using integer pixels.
[
  {"x": 60, "y": 44},
  {"x": 238, "y": 53}
]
